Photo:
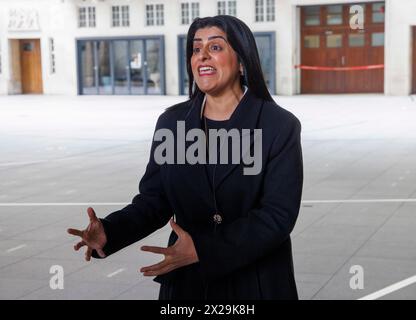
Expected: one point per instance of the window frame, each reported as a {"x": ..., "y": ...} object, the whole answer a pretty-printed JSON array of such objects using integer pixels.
[
  {"x": 52, "y": 56},
  {"x": 150, "y": 17},
  {"x": 92, "y": 14},
  {"x": 125, "y": 15},
  {"x": 86, "y": 17},
  {"x": 190, "y": 10},
  {"x": 159, "y": 10},
  {"x": 120, "y": 16},
  {"x": 115, "y": 16},
  {"x": 224, "y": 7},
  {"x": 265, "y": 11}
]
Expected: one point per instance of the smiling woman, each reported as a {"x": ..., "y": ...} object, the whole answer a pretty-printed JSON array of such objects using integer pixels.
[{"x": 231, "y": 234}]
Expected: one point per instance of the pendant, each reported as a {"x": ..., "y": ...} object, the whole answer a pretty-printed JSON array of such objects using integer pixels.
[{"x": 217, "y": 218}]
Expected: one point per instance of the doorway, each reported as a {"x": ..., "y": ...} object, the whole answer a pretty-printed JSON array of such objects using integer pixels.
[
  {"x": 121, "y": 66},
  {"x": 340, "y": 59},
  {"x": 30, "y": 66}
]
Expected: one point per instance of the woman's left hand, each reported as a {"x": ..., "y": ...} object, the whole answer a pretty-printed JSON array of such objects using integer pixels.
[{"x": 180, "y": 254}]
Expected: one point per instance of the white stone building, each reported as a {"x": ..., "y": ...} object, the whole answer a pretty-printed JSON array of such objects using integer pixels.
[{"x": 137, "y": 46}]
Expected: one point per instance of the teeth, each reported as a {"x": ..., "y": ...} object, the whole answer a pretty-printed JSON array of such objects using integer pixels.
[{"x": 206, "y": 69}]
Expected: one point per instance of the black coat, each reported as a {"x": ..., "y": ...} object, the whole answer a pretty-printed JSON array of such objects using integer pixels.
[{"x": 248, "y": 255}]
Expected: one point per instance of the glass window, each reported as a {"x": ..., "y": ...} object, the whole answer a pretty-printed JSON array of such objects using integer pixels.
[
  {"x": 125, "y": 16},
  {"x": 27, "y": 46},
  {"x": 120, "y": 16},
  {"x": 120, "y": 66},
  {"x": 88, "y": 70},
  {"x": 265, "y": 12},
  {"x": 356, "y": 40},
  {"x": 86, "y": 17},
  {"x": 334, "y": 40},
  {"x": 232, "y": 8},
  {"x": 221, "y": 7},
  {"x": 136, "y": 67},
  {"x": 82, "y": 17},
  {"x": 378, "y": 12},
  {"x": 270, "y": 10},
  {"x": 116, "y": 16},
  {"x": 227, "y": 7},
  {"x": 312, "y": 16},
  {"x": 104, "y": 67},
  {"x": 259, "y": 10},
  {"x": 160, "y": 15},
  {"x": 185, "y": 13},
  {"x": 91, "y": 16},
  {"x": 153, "y": 66},
  {"x": 195, "y": 10},
  {"x": 52, "y": 68},
  {"x": 377, "y": 39},
  {"x": 264, "y": 45},
  {"x": 150, "y": 21},
  {"x": 311, "y": 41},
  {"x": 334, "y": 14}
]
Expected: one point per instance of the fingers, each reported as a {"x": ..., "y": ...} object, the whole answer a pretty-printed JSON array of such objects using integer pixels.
[
  {"x": 91, "y": 214},
  {"x": 101, "y": 253},
  {"x": 75, "y": 232},
  {"x": 158, "y": 250},
  {"x": 157, "y": 269},
  {"x": 154, "y": 267},
  {"x": 88, "y": 254},
  {"x": 79, "y": 245},
  {"x": 178, "y": 230}
]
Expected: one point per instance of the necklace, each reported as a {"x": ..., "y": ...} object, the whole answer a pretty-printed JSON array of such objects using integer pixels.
[{"x": 217, "y": 216}]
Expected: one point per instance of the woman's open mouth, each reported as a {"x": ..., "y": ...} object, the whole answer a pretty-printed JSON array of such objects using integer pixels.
[{"x": 206, "y": 71}]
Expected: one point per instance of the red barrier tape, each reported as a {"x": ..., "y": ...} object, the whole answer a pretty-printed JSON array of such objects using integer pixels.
[{"x": 370, "y": 67}]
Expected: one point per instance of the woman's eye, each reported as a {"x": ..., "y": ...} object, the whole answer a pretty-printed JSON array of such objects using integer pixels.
[
  {"x": 215, "y": 47},
  {"x": 195, "y": 50}
]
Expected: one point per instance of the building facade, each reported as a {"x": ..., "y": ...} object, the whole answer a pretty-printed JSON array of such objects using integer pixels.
[{"x": 136, "y": 47}]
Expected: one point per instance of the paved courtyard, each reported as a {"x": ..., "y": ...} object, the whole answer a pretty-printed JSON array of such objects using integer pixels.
[{"x": 59, "y": 155}]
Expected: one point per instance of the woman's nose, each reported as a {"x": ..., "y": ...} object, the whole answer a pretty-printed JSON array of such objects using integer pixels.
[{"x": 203, "y": 54}]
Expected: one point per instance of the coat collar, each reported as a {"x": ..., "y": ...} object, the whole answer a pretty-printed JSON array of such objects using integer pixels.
[{"x": 245, "y": 116}]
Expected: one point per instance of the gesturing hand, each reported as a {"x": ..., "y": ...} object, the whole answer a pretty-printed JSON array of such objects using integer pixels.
[
  {"x": 93, "y": 236},
  {"x": 180, "y": 254}
]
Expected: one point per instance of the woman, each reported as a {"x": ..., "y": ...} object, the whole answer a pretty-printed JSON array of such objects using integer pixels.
[{"x": 231, "y": 238}]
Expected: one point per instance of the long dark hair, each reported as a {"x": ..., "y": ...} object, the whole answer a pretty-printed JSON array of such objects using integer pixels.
[{"x": 242, "y": 41}]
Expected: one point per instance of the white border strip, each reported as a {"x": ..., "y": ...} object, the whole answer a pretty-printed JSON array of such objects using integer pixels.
[{"x": 390, "y": 289}]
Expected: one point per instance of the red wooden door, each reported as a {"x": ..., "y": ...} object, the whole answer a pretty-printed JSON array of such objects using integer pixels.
[{"x": 327, "y": 40}]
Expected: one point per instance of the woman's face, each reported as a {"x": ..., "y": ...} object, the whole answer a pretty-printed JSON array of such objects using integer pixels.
[{"x": 214, "y": 63}]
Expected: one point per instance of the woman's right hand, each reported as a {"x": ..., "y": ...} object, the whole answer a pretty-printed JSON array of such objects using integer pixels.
[{"x": 93, "y": 236}]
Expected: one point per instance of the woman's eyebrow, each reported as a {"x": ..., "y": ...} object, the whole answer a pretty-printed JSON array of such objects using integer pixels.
[{"x": 210, "y": 38}]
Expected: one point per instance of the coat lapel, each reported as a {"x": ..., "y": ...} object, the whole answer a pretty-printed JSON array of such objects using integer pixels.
[
  {"x": 193, "y": 121},
  {"x": 245, "y": 116}
]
